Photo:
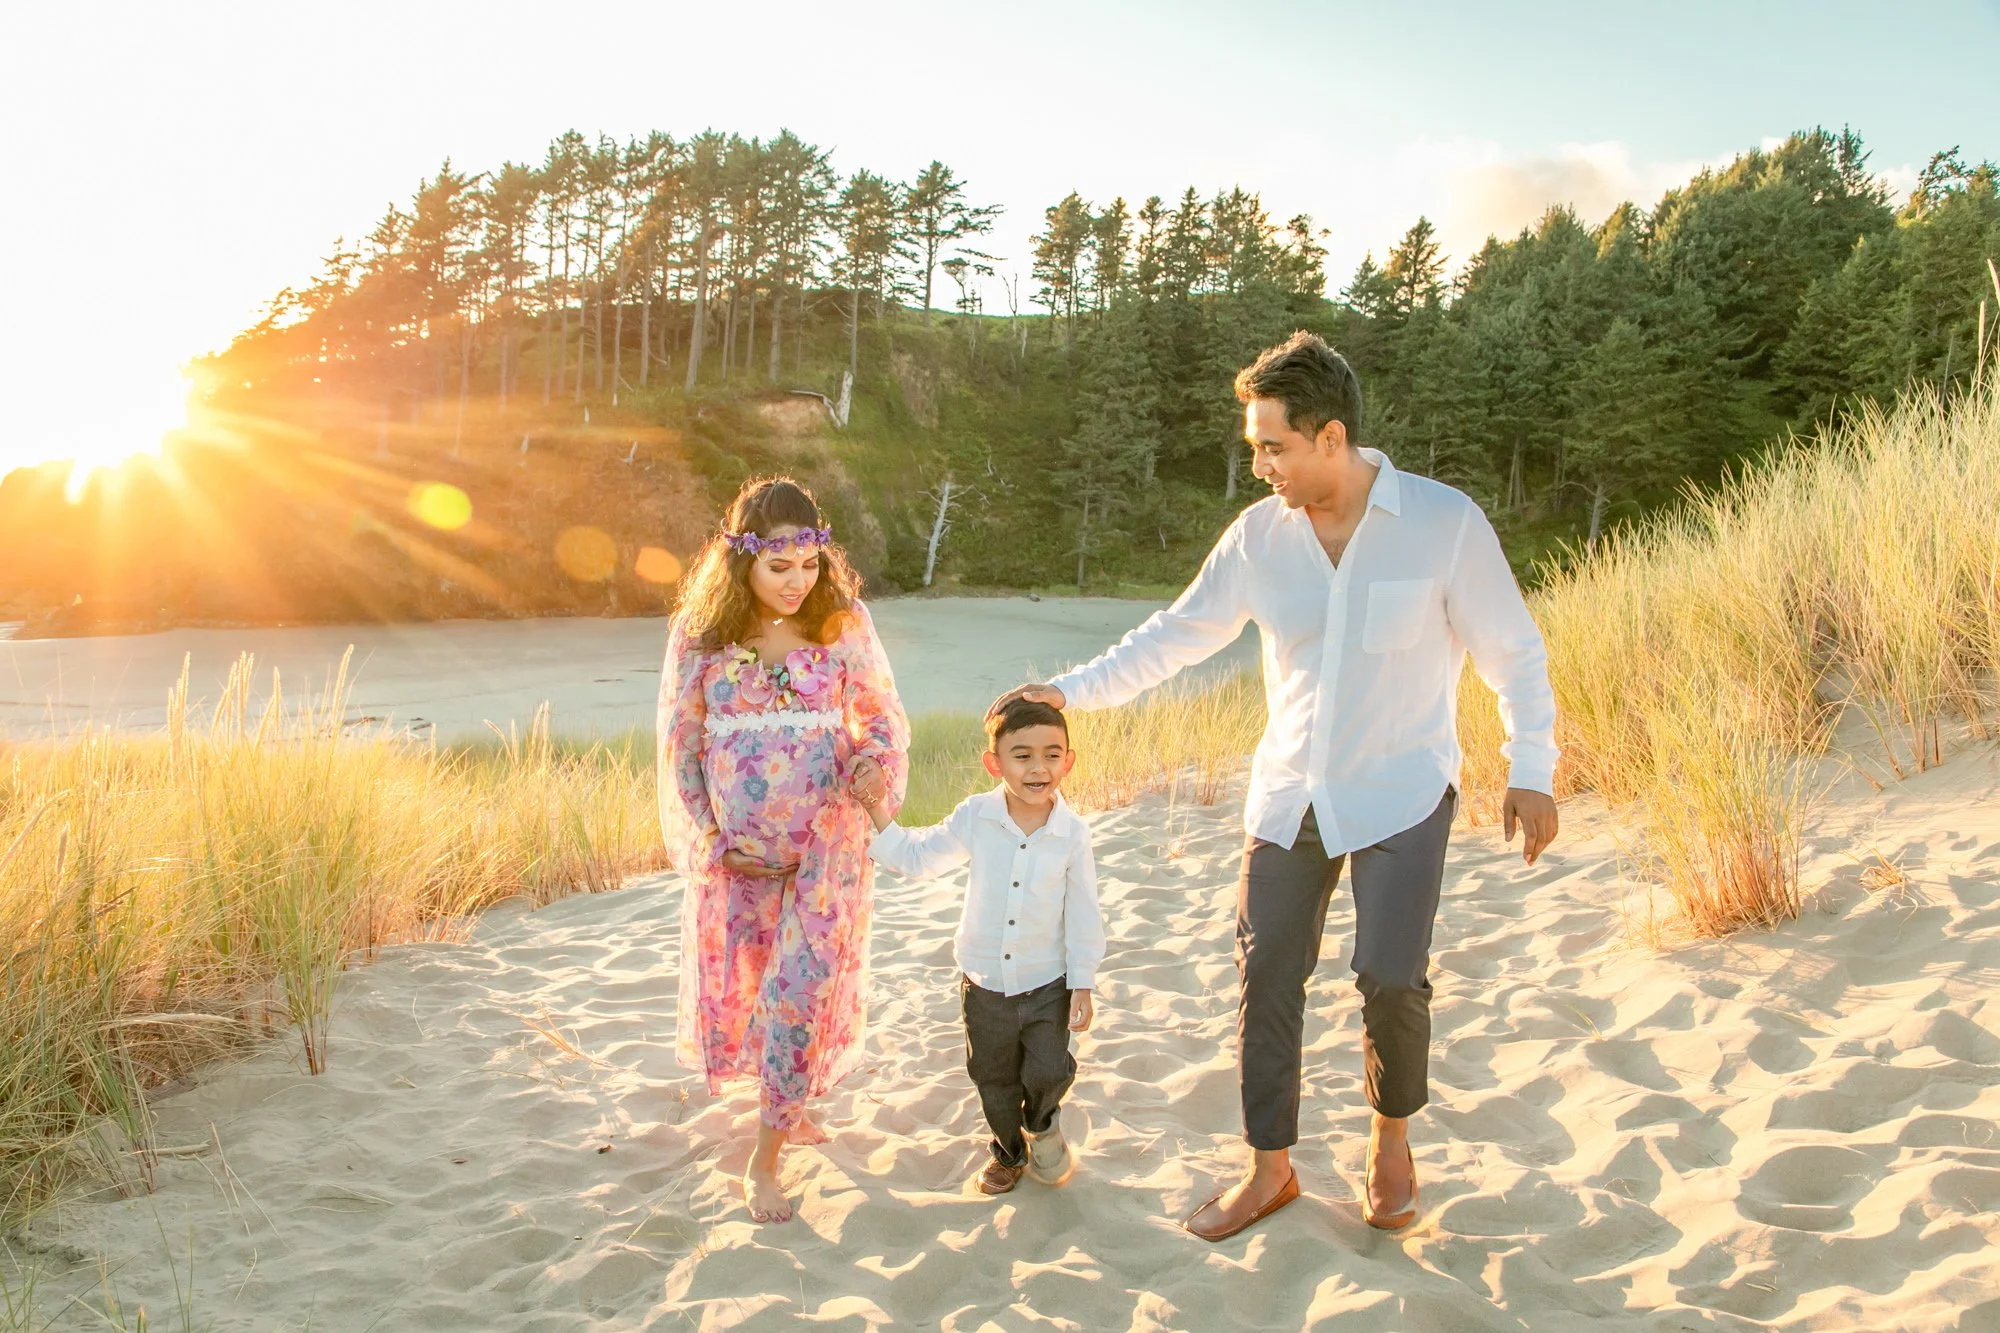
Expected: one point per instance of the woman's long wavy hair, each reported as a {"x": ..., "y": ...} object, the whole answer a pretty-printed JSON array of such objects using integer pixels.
[{"x": 716, "y": 606}]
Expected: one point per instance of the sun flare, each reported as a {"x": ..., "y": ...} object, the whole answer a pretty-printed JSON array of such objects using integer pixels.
[{"x": 105, "y": 434}]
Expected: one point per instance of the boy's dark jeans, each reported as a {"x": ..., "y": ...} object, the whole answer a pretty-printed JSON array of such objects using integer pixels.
[{"x": 1017, "y": 1051}]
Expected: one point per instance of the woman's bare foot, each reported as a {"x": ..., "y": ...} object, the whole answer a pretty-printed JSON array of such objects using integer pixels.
[
  {"x": 809, "y": 1130},
  {"x": 761, "y": 1190},
  {"x": 765, "y": 1195}
]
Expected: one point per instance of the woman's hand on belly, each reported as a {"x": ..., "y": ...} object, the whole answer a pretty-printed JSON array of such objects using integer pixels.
[{"x": 742, "y": 863}]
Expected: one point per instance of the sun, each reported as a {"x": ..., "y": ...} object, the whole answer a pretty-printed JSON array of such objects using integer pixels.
[{"x": 105, "y": 432}]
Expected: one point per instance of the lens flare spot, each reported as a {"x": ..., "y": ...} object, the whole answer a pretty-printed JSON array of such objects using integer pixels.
[
  {"x": 587, "y": 554},
  {"x": 657, "y": 565},
  {"x": 441, "y": 505}
]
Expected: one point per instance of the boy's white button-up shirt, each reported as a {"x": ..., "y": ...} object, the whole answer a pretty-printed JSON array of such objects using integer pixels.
[
  {"x": 1361, "y": 661},
  {"x": 1031, "y": 903}
]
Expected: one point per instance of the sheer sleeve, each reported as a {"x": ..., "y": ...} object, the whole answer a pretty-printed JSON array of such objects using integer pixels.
[
  {"x": 687, "y": 818},
  {"x": 875, "y": 720}
]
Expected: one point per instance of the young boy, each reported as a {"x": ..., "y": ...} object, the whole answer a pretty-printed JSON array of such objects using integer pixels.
[{"x": 1029, "y": 941}]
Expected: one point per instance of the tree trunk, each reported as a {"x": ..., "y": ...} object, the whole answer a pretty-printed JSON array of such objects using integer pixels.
[
  {"x": 750, "y": 337},
  {"x": 939, "y": 526},
  {"x": 548, "y": 362},
  {"x": 645, "y": 339},
  {"x": 853, "y": 331},
  {"x": 1599, "y": 498},
  {"x": 464, "y": 383},
  {"x": 1517, "y": 480},
  {"x": 1235, "y": 466},
  {"x": 700, "y": 308},
  {"x": 618, "y": 340},
  {"x": 777, "y": 330},
  {"x": 1082, "y": 541},
  {"x": 600, "y": 326},
  {"x": 729, "y": 333}
]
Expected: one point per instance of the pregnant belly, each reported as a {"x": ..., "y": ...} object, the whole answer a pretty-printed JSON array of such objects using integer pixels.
[{"x": 768, "y": 786}]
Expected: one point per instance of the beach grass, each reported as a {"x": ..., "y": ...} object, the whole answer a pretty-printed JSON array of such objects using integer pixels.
[
  {"x": 1702, "y": 660},
  {"x": 166, "y": 898}
]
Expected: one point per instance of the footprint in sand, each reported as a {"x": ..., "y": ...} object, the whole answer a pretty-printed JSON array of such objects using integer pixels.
[{"x": 1810, "y": 1188}]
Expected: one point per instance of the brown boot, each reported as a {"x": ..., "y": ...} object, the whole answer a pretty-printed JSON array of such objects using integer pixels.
[{"x": 998, "y": 1177}]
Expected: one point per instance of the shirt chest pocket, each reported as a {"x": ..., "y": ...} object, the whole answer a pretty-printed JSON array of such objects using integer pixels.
[
  {"x": 1045, "y": 875},
  {"x": 1397, "y": 609}
]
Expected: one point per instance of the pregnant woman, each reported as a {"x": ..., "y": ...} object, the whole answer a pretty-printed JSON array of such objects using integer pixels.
[{"x": 774, "y": 686}]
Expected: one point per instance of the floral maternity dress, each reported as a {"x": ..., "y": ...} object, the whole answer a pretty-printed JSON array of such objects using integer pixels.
[{"x": 755, "y": 759}]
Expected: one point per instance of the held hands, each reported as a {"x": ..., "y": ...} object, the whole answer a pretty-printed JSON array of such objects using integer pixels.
[
  {"x": 868, "y": 784},
  {"x": 1040, "y": 694},
  {"x": 1081, "y": 1011},
  {"x": 1535, "y": 812}
]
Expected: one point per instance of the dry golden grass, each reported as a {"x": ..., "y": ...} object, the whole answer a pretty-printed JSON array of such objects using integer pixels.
[
  {"x": 165, "y": 898},
  {"x": 1701, "y": 660}
]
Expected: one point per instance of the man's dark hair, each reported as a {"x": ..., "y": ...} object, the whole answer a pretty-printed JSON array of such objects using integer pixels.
[
  {"x": 1313, "y": 381},
  {"x": 1019, "y": 715}
]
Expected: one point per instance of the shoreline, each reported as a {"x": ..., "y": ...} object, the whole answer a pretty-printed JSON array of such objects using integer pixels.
[{"x": 599, "y": 674}]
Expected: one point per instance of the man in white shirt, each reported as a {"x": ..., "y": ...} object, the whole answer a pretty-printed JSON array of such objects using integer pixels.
[
  {"x": 1029, "y": 940},
  {"x": 1368, "y": 587}
]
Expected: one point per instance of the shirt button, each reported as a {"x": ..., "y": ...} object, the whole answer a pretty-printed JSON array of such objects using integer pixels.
[
  {"x": 1010, "y": 920},
  {"x": 1006, "y": 955},
  {"x": 1024, "y": 846},
  {"x": 1017, "y": 883}
]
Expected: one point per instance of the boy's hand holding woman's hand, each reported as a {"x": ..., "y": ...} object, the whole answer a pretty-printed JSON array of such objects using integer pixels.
[{"x": 868, "y": 784}]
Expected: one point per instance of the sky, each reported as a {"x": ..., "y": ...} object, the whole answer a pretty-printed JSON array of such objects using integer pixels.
[{"x": 172, "y": 166}]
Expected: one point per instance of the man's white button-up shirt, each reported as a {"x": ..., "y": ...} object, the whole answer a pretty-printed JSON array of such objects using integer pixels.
[
  {"x": 1361, "y": 661},
  {"x": 1031, "y": 903}
]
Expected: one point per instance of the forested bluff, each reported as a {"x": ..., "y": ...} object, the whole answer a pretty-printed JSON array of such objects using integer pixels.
[{"x": 528, "y": 390}]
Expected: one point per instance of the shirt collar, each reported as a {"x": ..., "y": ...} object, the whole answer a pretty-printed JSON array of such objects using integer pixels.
[
  {"x": 1387, "y": 492},
  {"x": 993, "y": 806}
]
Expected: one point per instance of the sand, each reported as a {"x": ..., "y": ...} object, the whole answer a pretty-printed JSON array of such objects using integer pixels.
[
  {"x": 600, "y": 676},
  {"x": 1792, "y": 1130}
]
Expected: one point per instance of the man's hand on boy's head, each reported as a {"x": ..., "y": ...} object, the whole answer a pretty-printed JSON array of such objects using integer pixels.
[
  {"x": 1040, "y": 694},
  {"x": 1081, "y": 1011}
]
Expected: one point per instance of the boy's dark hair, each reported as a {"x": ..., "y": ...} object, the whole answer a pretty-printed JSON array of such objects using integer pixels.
[
  {"x": 1019, "y": 715},
  {"x": 1313, "y": 381}
]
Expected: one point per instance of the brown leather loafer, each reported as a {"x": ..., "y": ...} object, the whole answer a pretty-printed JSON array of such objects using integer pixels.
[
  {"x": 998, "y": 1177},
  {"x": 1389, "y": 1221},
  {"x": 1286, "y": 1193}
]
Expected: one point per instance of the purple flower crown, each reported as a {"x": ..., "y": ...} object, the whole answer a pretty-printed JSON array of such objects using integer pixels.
[{"x": 750, "y": 543}]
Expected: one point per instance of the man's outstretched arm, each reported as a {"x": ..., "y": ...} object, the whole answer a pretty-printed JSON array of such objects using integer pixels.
[{"x": 1203, "y": 620}]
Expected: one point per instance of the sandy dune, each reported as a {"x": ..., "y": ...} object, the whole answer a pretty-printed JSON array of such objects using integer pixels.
[
  {"x": 1788, "y": 1131},
  {"x": 600, "y": 676}
]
